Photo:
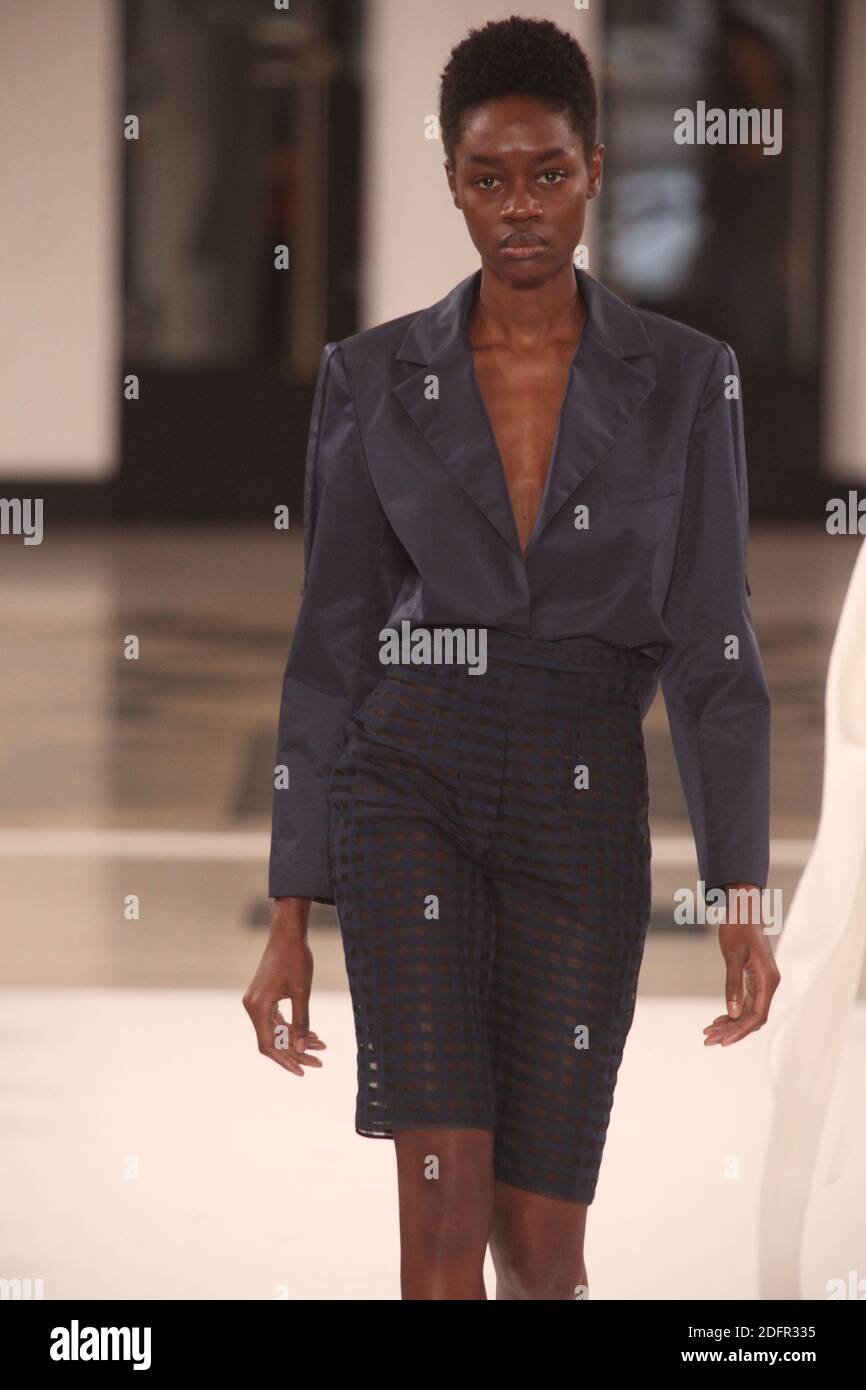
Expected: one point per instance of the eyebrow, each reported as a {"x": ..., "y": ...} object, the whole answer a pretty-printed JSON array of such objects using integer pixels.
[{"x": 556, "y": 152}]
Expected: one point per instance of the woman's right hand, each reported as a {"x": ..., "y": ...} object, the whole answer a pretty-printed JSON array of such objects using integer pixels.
[{"x": 285, "y": 971}]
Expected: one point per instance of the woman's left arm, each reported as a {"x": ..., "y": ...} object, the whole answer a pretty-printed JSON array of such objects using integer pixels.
[
  {"x": 717, "y": 697},
  {"x": 712, "y": 677}
]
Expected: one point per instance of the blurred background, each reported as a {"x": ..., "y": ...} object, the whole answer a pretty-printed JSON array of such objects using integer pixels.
[{"x": 157, "y": 377}]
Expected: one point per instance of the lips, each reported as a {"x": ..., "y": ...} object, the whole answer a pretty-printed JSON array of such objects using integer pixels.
[
  {"x": 521, "y": 239},
  {"x": 522, "y": 246}
]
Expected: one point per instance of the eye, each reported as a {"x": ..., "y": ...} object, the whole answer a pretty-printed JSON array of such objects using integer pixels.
[
  {"x": 484, "y": 179},
  {"x": 557, "y": 174}
]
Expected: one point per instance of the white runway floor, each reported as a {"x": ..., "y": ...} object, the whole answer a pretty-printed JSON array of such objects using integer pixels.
[{"x": 149, "y": 1151}]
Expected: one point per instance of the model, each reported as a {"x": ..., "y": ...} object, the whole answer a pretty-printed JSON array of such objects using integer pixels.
[{"x": 524, "y": 506}]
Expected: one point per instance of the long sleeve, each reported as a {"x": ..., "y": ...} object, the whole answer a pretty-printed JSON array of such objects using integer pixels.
[
  {"x": 353, "y": 569},
  {"x": 714, "y": 687}
]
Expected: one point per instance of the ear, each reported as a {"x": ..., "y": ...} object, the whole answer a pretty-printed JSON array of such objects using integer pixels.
[{"x": 595, "y": 172}]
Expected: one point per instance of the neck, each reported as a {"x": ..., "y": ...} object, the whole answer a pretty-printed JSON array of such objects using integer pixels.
[{"x": 525, "y": 318}]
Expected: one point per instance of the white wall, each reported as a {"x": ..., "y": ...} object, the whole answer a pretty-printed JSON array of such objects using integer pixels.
[
  {"x": 415, "y": 243},
  {"x": 60, "y": 160}
]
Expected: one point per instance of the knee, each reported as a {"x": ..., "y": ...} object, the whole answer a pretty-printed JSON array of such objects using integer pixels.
[
  {"x": 446, "y": 1203},
  {"x": 446, "y": 1194},
  {"x": 537, "y": 1273}
]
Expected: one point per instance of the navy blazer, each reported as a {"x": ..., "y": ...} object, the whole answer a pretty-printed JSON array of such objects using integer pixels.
[{"x": 407, "y": 516}]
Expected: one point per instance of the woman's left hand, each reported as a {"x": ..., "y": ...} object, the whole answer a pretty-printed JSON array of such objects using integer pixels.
[{"x": 752, "y": 974}]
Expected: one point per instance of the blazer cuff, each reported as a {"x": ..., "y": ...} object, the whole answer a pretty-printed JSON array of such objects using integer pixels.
[{"x": 298, "y": 889}]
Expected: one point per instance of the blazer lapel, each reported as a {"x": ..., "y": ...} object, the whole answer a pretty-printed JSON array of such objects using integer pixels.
[
  {"x": 446, "y": 404},
  {"x": 604, "y": 390}
]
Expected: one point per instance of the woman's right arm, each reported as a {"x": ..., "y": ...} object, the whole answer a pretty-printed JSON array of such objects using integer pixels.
[{"x": 354, "y": 567}]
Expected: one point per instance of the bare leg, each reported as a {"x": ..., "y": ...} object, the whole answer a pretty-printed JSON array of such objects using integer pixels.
[
  {"x": 445, "y": 1180},
  {"x": 537, "y": 1246}
]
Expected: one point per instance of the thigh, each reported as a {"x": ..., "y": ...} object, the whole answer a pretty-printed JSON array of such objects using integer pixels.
[
  {"x": 557, "y": 1025},
  {"x": 416, "y": 920},
  {"x": 571, "y": 892}
]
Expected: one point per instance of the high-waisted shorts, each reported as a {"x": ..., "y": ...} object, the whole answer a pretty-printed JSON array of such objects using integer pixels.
[{"x": 490, "y": 856}]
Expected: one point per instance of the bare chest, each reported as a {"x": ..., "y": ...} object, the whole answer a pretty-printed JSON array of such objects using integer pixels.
[{"x": 524, "y": 398}]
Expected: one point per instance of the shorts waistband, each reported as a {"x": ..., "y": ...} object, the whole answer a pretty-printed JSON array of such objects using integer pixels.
[{"x": 583, "y": 653}]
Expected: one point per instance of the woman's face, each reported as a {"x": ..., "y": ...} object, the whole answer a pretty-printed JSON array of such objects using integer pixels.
[{"x": 522, "y": 182}]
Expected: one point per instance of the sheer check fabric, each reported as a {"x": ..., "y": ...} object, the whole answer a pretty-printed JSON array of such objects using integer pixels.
[{"x": 493, "y": 913}]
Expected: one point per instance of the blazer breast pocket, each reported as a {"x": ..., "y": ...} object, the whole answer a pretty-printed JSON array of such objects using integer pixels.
[{"x": 642, "y": 487}]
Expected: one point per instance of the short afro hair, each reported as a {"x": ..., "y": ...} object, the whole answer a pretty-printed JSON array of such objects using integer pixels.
[{"x": 531, "y": 56}]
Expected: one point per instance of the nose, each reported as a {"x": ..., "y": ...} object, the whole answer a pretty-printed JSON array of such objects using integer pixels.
[{"x": 520, "y": 202}]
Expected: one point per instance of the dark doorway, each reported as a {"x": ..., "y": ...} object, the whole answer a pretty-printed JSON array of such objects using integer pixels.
[
  {"x": 248, "y": 142},
  {"x": 724, "y": 236}
]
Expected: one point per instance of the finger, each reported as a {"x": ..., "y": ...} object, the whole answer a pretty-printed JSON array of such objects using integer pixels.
[
  {"x": 313, "y": 1039},
  {"x": 300, "y": 1019},
  {"x": 742, "y": 1029},
  {"x": 279, "y": 1046},
  {"x": 272, "y": 1036},
  {"x": 730, "y": 1028},
  {"x": 715, "y": 1033},
  {"x": 289, "y": 1060},
  {"x": 300, "y": 1058},
  {"x": 734, "y": 990},
  {"x": 749, "y": 1022},
  {"x": 736, "y": 1029},
  {"x": 282, "y": 1045}
]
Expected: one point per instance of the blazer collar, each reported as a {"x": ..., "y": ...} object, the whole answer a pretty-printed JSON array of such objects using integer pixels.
[{"x": 604, "y": 390}]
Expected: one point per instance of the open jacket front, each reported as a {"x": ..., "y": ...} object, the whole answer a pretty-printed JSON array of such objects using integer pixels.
[{"x": 640, "y": 541}]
